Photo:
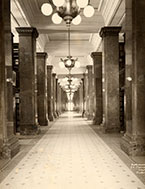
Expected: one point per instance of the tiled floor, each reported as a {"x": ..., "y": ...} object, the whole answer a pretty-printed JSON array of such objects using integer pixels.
[{"x": 71, "y": 156}]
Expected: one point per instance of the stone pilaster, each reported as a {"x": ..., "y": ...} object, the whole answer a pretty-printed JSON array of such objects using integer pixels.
[
  {"x": 50, "y": 92},
  {"x": 9, "y": 145},
  {"x": 41, "y": 87},
  {"x": 54, "y": 95},
  {"x": 90, "y": 93},
  {"x": 133, "y": 142},
  {"x": 110, "y": 63},
  {"x": 97, "y": 60},
  {"x": 28, "y": 80}
]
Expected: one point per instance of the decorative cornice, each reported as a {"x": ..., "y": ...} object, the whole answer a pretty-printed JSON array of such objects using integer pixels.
[
  {"x": 96, "y": 54},
  {"x": 109, "y": 31},
  {"x": 27, "y": 31},
  {"x": 42, "y": 55}
]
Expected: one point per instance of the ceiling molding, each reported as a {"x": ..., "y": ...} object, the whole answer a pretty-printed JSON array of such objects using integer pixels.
[{"x": 109, "y": 9}]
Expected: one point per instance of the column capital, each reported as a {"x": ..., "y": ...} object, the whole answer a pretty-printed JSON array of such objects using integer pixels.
[
  {"x": 96, "y": 54},
  {"x": 42, "y": 55},
  {"x": 54, "y": 74},
  {"x": 109, "y": 31},
  {"x": 49, "y": 67},
  {"x": 89, "y": 67},
  {"x": 27, "y": 31}
]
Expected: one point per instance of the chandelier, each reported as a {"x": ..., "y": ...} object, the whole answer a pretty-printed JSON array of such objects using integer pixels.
[
  {"x": 67, "y": 10},
  {"x": 69, "y": 62}
]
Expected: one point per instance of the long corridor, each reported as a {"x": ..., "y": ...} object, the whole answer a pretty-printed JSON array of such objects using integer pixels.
[{"x": 71, "y": 156}]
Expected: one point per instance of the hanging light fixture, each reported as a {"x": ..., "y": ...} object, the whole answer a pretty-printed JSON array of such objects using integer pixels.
[
  {"x": 69, "y": 62},
  {"x": 68, "y": 10},
  {"x": 46, "y": 9}
]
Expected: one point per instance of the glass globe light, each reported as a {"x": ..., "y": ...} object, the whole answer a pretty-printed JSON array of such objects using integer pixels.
[
  {"x": 56, "y": 19},
  {"x": 82, "y": 3},
  {"x": 61, "y": 64},
  {"x": 46, "y": 9},
  {"x": 77, "y": 64},
  {"x": 129, "y": 78},
  {"x": 77, "y": 20},
  {"x": 89, "y": 11},
  {"x": 68, "y": 62},
  {"x": 58, "y": 3}
]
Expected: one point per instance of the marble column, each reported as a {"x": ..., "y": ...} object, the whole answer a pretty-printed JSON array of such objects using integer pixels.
[
  {"x": 60, "y": 102},
  {"x": 57, "y": 97},
  {"x": 41, "y": 87},
  {"x": 97, "y": 60},
  {"x": 110, "y": 63},
  {"x": 63, "y": 100},
  {"x": 76, "y": 101},
  {"x": 9, "y": 145},
  {"x": 50, "y": 93},
  {"x": 54, "y": 95},
  {"x": 90, "y": 92},
  {"x": 83, "y": 90},
  {"x": 85, "y": 94},
  {"x": 81, "y": 98},
  {"x": 28, "y": 80},
  {"x": 133, "y": 142}
]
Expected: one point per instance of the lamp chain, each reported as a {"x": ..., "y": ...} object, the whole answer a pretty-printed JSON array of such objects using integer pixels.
[{"x": 69, "y": 41}]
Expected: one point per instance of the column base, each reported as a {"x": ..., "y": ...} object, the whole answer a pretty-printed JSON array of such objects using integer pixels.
[
  {"x": 83, "y": 114},
  {"x": 29, "y": 129},
  {"x": 44, "y": 123},
  {"x": 90, "y": 117},
  {"x": 51, "y": 118},
  {"x": 97, "y": 121},
  {"x": 86, "y": 114},
  {"x": 134, "y": 146},
  {"x": 10, "y": 148},
  {"x": 55, "y": 115},
  {"x": 111, "y": 129}
]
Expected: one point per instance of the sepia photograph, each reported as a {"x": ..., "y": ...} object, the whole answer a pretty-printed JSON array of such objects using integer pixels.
[{"x": 72, "y": 94}]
